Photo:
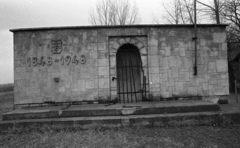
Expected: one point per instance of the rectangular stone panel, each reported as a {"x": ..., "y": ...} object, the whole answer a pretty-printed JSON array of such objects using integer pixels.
[
  {"x": 103, "y": 71},
  {"x": 104, "y": 83},
  {"x": 103, "y": 62}
]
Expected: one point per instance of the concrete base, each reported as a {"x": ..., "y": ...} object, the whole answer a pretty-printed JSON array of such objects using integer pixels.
[
  {"x": 95, "y": 110},
  {"x": 169, "y": 113},
  {"x": 180, "y": 119}
]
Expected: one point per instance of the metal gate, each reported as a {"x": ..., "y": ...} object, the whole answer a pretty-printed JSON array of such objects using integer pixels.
[{"x": 131, "y": 82}]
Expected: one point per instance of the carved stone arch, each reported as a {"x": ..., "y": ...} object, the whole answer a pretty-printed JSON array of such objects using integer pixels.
[
  {"x": 129, "y": 40},
  {"x": 129, "y": 73},
  {"x": 115, "y": 44}
]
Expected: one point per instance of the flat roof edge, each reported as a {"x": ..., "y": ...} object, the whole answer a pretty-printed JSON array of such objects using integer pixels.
[{"x": 116, "y": 26}]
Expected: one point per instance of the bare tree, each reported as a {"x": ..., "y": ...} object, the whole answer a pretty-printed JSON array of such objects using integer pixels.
[
  {"x": 190, "y": 10},
  {"x": 114, "y": 12},
  {"x": 225, "y": 11},
  {"x": 231, "y": 12},
  {"x": 181, "y": 11},
  {"x": 213, "y": 9},
  {"x": 178, "y": 12},
  {"x": 173, "y": 12}
]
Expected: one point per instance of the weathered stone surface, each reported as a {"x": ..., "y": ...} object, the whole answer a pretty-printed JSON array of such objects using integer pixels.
[
  {"x": 81, "y": 85},
  {"x": 153, "y": 41},
  {"x": 113, "y": 84},
  {"x": 219, "y": 37},
  {"x": 155, "y": 78},
  {"x": 89, "y": 84},
  {"x": 113, "y": 61},
  {"x": 103, "y": 62},
  {"x": 103, "y": 83},
  {"x": 222, "y": 65},
  {"x": 154, "y": 70},
  {"x": 143, "y": 51},
  {"x": 154, "y": 61},
  {"x": 224, "y": 46},
  {"x": 153, "y": 50},
  {"x": 144, "y": 61},
  {"x": 103, "y": 71},
  {"x": 102, "y": 54},
  {"x": 81, "y": 70}
]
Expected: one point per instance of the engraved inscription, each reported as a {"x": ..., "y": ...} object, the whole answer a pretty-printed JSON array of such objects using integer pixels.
[
  {"x": 83, "y": 59},
  {"x": 64, "y": 60}
]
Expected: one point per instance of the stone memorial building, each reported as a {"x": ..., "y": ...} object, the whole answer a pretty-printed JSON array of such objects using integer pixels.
[{"x": 119, "y": 63}]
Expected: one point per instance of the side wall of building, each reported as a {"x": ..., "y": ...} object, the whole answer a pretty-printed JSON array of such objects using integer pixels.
[
  {"x": 73, "y": 64},
  {"x": 172, "y": 64}
]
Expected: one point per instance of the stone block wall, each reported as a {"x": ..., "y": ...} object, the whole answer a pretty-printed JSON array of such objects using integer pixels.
[
  {"x": 42, "y": 74},
  {"x": 171, "y": 66},
  {"x": 76, "y": 64}
]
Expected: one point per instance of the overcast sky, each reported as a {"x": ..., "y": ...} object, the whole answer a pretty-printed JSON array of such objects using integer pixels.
[{"x": 49, "y": 13}]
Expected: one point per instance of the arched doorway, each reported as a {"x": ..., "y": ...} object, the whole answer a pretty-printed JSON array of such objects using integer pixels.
[{"x": 129, "y": 74}]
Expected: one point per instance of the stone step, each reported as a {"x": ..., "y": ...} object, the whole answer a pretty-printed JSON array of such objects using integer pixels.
[
  {"x": 162, "y": 120},
  {"x": 96, "y": 110}
]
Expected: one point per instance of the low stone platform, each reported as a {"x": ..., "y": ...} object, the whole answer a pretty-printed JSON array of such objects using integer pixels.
[
  {"x": 179, "y": 119},
  {"x": 168, "y": 113},
  {"x": 96, "y": 110}
]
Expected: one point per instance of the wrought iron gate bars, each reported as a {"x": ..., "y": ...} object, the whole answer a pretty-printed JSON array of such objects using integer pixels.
[{"x": 127, "y": 70}]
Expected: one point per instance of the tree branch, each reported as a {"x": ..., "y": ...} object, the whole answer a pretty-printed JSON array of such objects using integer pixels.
[{"x": 206, "y": 5}]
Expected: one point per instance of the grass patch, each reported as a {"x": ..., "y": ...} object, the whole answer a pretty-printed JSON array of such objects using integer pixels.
[
  {"x": 122, "y": 137},
  {"x": 6, "y": 88},
  {"x": 6, "y": 102},
  {"x": 6, "y": 98}
]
